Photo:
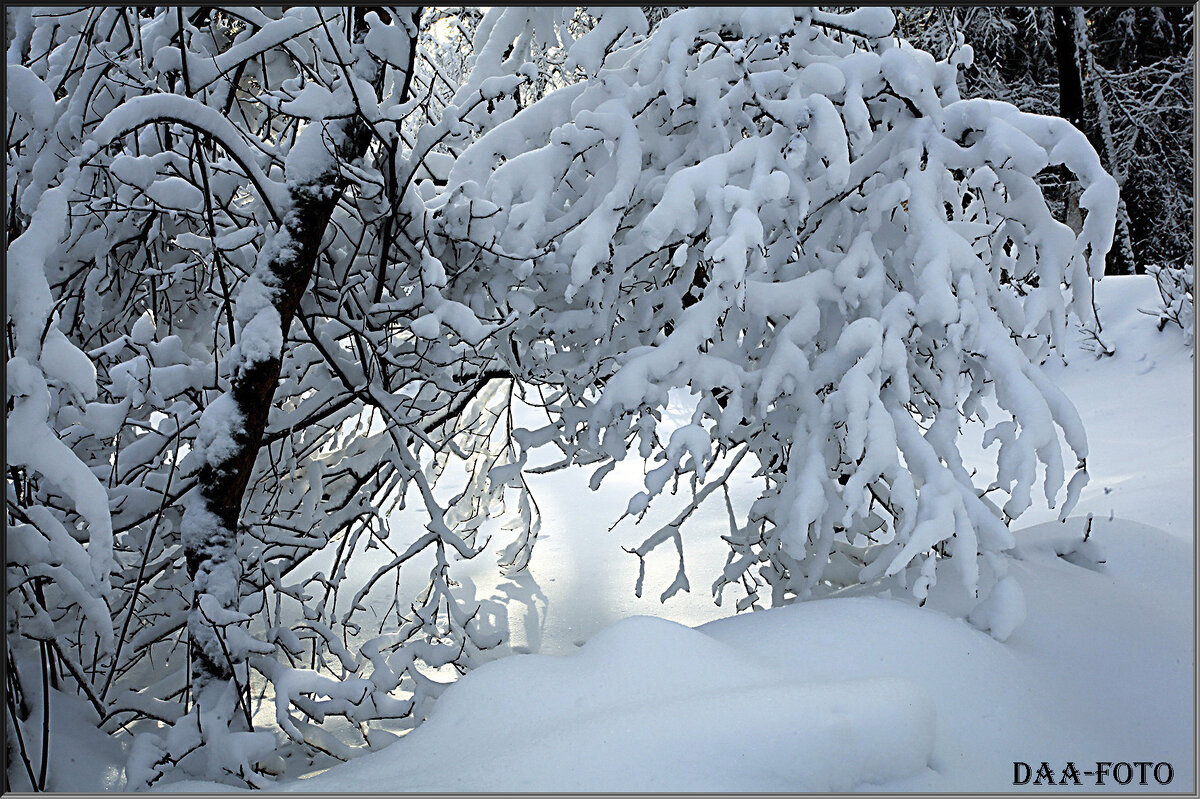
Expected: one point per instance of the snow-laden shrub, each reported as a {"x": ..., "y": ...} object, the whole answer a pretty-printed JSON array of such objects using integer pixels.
[
  {"x": 152, "y": 177},
  {"x": 1177, "y": 287}
]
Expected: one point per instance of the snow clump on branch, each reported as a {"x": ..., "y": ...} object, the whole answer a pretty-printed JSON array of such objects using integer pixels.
[{"x": 795, "y": 218}]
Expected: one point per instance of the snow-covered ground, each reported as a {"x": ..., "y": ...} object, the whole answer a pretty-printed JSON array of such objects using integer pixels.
[{"x": 628, "y": 694}]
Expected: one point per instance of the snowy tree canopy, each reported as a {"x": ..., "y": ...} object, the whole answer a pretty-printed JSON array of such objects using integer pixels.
[
  {"x": 805, "y": 228},
  {"x": 272, "y": 272}
]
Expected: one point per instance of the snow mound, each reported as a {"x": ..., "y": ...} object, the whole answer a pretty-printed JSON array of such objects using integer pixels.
[
  {"x": 1102, "y": 663},
  {"x": 849, "y": 693},
  {"x": 651, "y": 705}
]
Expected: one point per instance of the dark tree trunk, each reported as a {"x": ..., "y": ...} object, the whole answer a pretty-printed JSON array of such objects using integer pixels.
[
  {"x": 1070, "y": 83},
  {"x": 212, "y": 557}
]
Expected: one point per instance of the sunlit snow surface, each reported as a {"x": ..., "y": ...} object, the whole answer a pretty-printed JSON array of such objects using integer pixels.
[
  {"x": 853, "y": 693},
  {"x": 838, "y": 694}
]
